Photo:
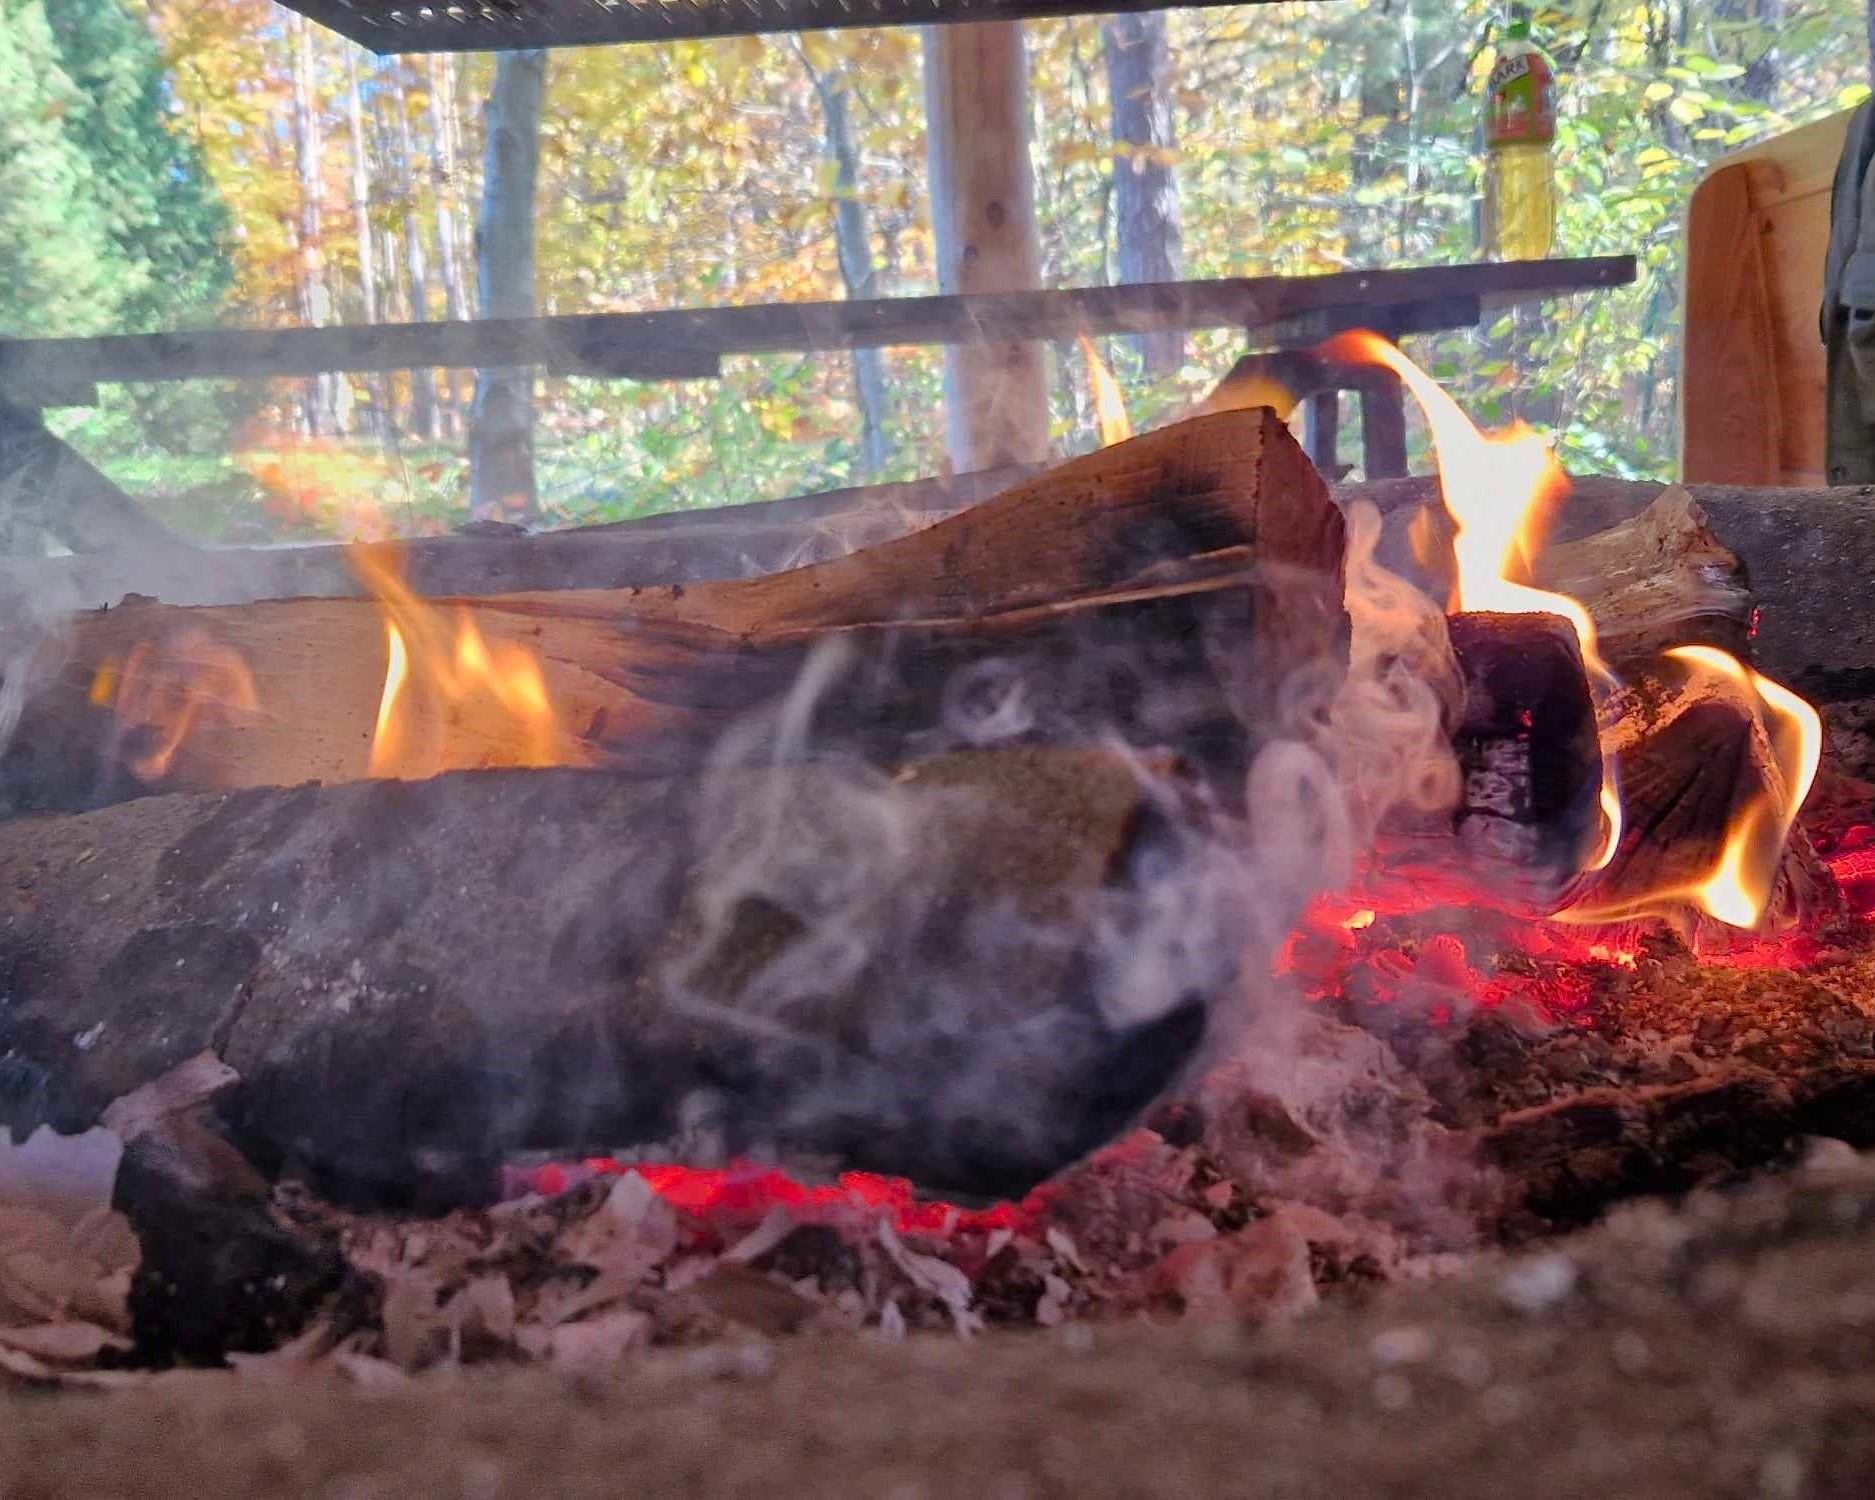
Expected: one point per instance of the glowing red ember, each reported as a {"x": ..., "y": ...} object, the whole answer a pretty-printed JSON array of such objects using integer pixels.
[{"x": 748, "y": 1192}]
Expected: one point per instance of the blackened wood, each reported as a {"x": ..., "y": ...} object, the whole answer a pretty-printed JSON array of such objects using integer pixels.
[
  {"x": 913, "y": 974},
  {"x": 1564, "y": 1164},
  {"x": 1530, "y": 763}
]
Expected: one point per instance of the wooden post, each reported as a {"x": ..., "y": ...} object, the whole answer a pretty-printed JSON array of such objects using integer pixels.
[
  {"x": 501, "y": 431},
  {"x": 983, "y": 218}
]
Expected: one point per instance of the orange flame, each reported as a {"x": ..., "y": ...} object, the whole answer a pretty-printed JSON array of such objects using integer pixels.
[
  {"x": 450, "y": 701},
  {"x": 158, "y": 697},
  {"x": 1738, "y": 887},
  {"x": 1109, "y": 405},
  {"x": 1493, "y": 545},
  {"x": 1500, "y": 491}
]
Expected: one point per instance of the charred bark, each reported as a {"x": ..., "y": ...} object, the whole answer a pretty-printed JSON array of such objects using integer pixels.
[{"x": 415, "y": 979}]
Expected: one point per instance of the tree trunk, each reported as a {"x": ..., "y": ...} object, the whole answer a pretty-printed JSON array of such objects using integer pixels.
[
  {"x": 853, "y": 239},
  {"x": 379, "y": 417},
  {"x": 444, "y": 187},
  {"x": 501, "y": 440},
  {"x": 309, "y": 257},
  {"x": 1146, "y": 217},
  {"x": 422, "y": 382},
  {"x": 983, "y": 220}
]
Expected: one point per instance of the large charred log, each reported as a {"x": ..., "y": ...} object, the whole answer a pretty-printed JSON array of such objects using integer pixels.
[{"x": 917, "y": 974}]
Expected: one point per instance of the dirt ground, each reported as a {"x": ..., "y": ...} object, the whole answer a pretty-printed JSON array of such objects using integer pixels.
[{"x": 1725, "y": 1348}]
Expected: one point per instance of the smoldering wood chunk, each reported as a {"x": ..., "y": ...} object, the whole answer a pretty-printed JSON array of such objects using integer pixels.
[
  {"x": 219, "y": 1273},
  {"x": 1695, "y": 760},
  {"x": 943, "y": 974},
  {"x": 1563, "y": 1164},
  {"x": 1530, "y": 759}
]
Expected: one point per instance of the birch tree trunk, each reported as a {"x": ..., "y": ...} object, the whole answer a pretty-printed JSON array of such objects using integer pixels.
[
  {"x": 444, "y": 187},
  {"x": 378, "y": 418},
  {"x": 1146, "y": 216},
  {"x": 416, "y": 266},
  {"x": 309, "y": 258},
  {"x": 501, "y": 436},
  {"x": 852, "y": 233}
]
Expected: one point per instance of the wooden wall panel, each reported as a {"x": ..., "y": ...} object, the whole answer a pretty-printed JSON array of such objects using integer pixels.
[{"x": 1752, "y": 365}]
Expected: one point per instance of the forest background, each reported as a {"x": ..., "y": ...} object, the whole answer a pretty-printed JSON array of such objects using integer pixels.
[{"x": 201, "y": 163}]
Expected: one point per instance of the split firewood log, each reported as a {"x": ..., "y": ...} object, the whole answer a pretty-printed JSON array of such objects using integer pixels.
[
  {"x": 631, "y": 670},
  {"x": 961, "y": 973}
]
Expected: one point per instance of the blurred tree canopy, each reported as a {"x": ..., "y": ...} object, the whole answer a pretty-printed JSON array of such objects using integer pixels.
[{"x": 1303, "y": 138}]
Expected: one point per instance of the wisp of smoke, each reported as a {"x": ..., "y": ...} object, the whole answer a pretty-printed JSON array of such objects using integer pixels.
[{"x": 858, "y": 871}]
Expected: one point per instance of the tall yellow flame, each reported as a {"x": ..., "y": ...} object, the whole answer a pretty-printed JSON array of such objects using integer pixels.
[
  {"x": 1109, "y": 404},
  {"x": 450, "y": 701}
]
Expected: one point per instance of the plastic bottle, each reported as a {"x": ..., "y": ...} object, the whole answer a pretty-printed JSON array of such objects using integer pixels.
[{"x": 1519, "y": 130}]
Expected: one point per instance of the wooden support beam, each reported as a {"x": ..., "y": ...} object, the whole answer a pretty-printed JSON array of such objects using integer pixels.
[
  {"x": 983, "y": 219},
  {"x": 47, "y": 487},
  {"x": 683, "y": 344}
]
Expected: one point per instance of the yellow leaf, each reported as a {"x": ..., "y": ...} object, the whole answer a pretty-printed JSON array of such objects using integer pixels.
[{"x": 1658, "y": 91}]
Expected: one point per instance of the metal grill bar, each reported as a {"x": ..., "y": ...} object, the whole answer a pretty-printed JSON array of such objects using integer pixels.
[{"x": 390, "y": 26}]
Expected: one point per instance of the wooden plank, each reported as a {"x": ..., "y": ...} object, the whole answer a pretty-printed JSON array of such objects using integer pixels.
[
  {"x": 47, "y": 487},
  {"x": 1728, "y": 392},
  {"x": 983, "y": 225},
  {"x": 1757, "y": 234},
  {"x": 684, "y": 344},
  {"x": 681, "y": 547}
]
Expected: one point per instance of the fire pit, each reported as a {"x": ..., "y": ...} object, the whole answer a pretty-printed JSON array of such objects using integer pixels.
[{"x": 1158, "y": 888}]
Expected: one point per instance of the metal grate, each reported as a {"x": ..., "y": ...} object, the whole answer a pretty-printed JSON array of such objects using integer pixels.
[{"x": 498, "y": 25}]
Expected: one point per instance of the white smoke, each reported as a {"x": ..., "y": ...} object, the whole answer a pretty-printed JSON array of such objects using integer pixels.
[{"x": 856, "y": 862}]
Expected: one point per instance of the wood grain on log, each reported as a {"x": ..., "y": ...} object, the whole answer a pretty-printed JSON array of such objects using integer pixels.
[
  {"x": 413, "y": 978},
  {"x": 645, "y": 678}
]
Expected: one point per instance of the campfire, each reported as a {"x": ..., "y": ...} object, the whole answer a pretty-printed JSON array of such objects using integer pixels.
[{"x": 1166, "y": 886}]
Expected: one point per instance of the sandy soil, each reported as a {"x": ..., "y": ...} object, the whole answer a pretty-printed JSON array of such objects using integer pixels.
[{"x": 1724, "y": 1349}]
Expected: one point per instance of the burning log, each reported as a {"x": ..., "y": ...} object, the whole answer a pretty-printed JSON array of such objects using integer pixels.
[
  {"x": 642, "y": 677},
  {"x": 415, "y": 979}
]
